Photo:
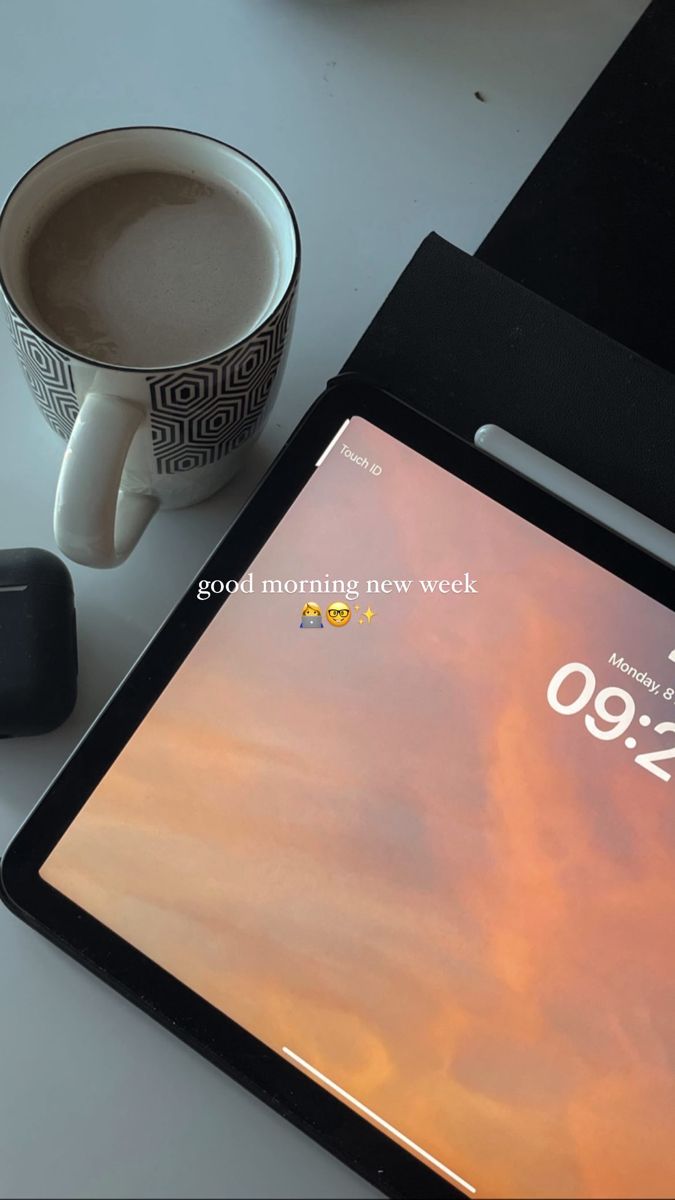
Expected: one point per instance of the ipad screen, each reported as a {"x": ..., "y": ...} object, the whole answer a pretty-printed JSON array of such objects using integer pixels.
[{"x": 407, "y": 814}]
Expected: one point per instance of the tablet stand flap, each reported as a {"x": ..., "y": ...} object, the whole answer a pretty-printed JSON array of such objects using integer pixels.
[{"x": 468, "y": 346}]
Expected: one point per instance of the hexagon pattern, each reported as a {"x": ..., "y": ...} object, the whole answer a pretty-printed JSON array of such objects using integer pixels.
[
  {"x": 48, "y": 373},
  {"x": 199, "y": 414}
]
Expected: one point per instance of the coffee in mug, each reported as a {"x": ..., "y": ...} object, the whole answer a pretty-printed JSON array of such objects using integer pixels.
[
  {"x": 152, "y": 267},
  {"x": 149, "y": 278}
]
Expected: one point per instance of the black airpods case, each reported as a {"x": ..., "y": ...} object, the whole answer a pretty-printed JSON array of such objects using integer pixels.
[{"x": 38, "y": 642}]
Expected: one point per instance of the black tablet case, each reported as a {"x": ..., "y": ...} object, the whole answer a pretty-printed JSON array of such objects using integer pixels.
[
  {"x": 593, "y": 227},
  {"x": 466, "y": 345}
]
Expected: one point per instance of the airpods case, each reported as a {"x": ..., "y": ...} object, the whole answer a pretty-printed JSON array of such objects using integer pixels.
[{"x": 38, "y": 642}]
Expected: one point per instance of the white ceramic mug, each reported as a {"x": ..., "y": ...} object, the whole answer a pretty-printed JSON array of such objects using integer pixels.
[{"x": 140, "y": 439}]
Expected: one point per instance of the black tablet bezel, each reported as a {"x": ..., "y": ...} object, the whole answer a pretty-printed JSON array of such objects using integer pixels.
[{"x": 340, "y": 1129}]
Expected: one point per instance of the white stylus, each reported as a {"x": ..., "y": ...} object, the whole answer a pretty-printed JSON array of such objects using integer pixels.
[{"x": 577, "y": 492}]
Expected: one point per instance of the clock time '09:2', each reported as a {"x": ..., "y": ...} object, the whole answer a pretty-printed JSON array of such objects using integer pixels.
[{"x": 602, "y": 723}]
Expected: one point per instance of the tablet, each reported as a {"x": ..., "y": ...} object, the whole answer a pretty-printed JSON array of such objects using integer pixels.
[{"x": 383, "y": 820}]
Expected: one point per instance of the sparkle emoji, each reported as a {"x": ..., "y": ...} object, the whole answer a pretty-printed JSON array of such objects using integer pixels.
[
  {"x": 338, "y": 613},
  {"x": 311, "y": 616}
]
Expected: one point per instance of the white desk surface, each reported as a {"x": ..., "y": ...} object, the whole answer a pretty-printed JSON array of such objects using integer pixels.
[{"x": 365, "y": 111}]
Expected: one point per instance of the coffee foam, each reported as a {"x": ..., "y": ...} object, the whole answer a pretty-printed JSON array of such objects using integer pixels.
[{"x": 152, "y": 269}]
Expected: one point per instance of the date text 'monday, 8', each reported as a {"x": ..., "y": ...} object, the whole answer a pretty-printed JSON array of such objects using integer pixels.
[{"x": 618, "y": 661}]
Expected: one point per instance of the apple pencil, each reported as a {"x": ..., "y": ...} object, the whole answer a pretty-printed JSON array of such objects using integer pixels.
[{"x": 577, "y": 492}]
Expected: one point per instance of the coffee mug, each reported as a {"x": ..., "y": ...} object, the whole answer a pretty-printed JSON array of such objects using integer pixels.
[{"x": 169, "y": 434}]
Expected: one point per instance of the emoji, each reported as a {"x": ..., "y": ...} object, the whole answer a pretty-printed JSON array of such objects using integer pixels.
[
  {"x": 338, "y": 613},
  {"x": 368, "y": 615},
  {"x": 311, "y": 616}
]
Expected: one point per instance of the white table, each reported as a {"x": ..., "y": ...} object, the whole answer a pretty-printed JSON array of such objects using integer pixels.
[{"x": 365, "y": 111}]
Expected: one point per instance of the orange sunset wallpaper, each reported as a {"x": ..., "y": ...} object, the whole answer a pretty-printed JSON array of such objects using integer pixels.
[{"x": 379, "y": 846}]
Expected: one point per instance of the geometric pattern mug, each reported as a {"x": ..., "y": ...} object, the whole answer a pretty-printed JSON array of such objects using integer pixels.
[{"x": 143, "y": 439}]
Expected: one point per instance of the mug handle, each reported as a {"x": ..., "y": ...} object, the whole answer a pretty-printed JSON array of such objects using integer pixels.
[{"x": 96, "y": 521}]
